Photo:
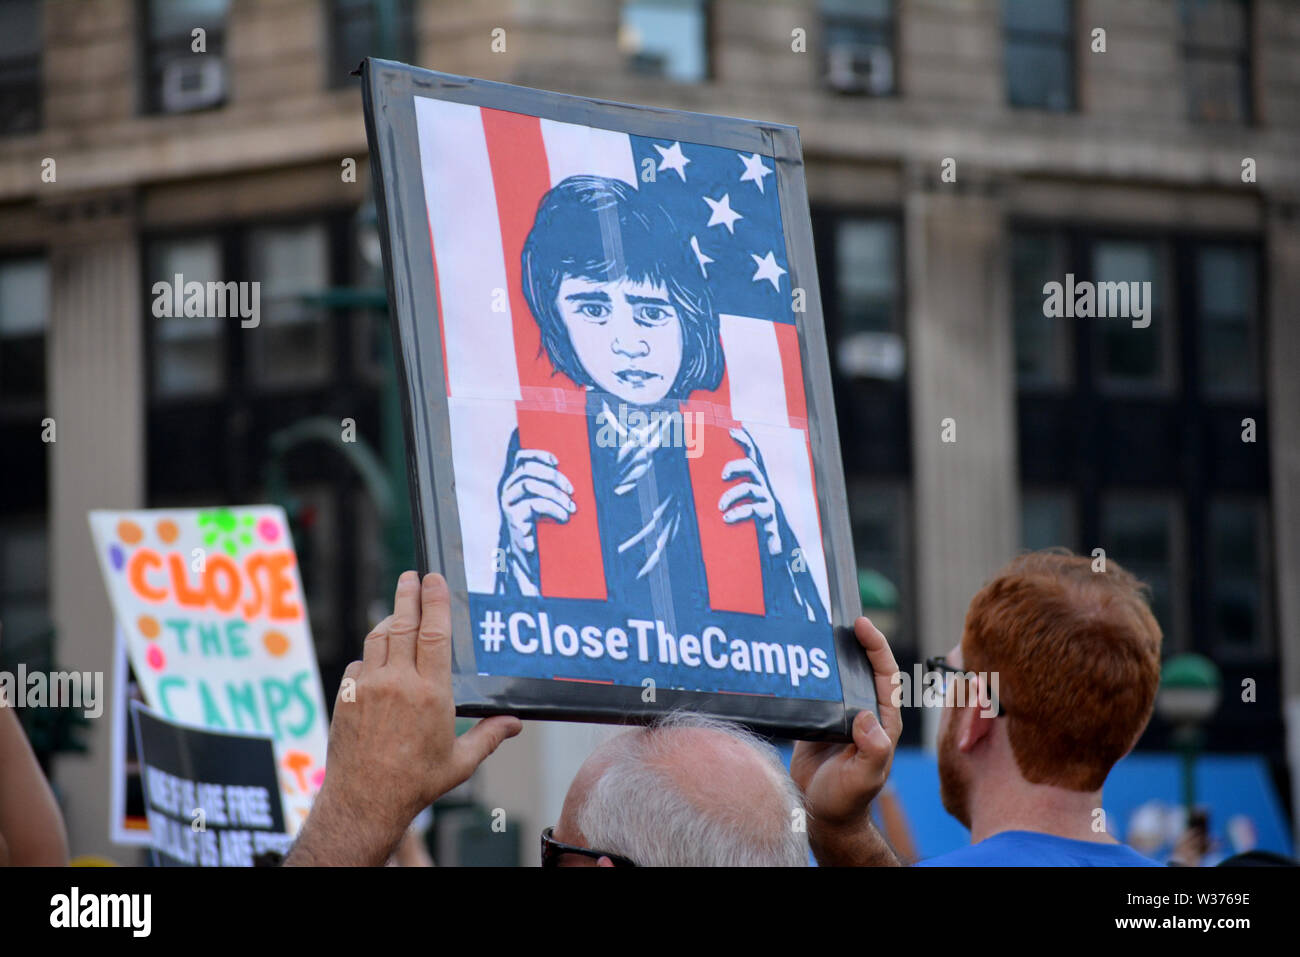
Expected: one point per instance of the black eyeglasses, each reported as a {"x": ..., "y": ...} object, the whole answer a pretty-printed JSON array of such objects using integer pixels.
[
  {"x": 941, "y": 665},
  {"x": 553, "y": 850}
]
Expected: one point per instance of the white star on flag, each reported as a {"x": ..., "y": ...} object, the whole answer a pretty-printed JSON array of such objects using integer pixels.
[
  {"x": 723, "y": 214},
  {"x": 699, "y": 254},
  {"x": 768, "y": 269},
  {"x": 754, "y": 169},
  {"x": 672, "y": 159}
]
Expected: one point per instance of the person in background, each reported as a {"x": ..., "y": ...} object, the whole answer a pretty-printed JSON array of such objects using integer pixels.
[{"x": 1022, "y": 760}]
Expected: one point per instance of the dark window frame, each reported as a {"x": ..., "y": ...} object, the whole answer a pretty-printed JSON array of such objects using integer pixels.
[
  {"x": 1041, "y": 38},
  {"x": 154, "y": 59},
  {"x": 1190, "y": 50},
  {"x": 1064, "y": 491},
  {"x": 26, "y": 456},
  {"x": 241, "y": 415},
  {"x": 15, "y": 524},
  {"x": 25, "y": 408},
  {"x": 22, "y": 78},
  {"x": 708, "y": 45},
  {"x": 406, "y": 22},
  {"x": 888, "y": 25},
  {"x": 1258, "y": 321},
  {"x": 1261, "y": 646},
  {"x": 874, "y": 415},
  {"x": 893, "y": 458}
]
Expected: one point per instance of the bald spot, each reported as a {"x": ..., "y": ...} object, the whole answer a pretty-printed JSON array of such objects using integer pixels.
[{"x": 719, "y": 776}]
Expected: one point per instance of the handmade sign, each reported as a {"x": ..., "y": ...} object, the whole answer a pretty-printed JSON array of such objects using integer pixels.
[
  {"x": 217, "y": 631},
  {"x": 211, "y": 797},
  {"x": 621, "y": 436}
]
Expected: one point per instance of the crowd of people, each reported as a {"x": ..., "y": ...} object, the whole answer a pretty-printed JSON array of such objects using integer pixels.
[
  {"x": 1052, "y": 681},
  {"x": 1077, "y": 659}
]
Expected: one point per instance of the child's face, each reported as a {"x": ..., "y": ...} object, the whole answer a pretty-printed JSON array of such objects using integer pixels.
[{"x": 626, "y": 334}]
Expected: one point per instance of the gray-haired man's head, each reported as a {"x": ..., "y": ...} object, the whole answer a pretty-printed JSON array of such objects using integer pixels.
[{"x": 688, "y": 791}]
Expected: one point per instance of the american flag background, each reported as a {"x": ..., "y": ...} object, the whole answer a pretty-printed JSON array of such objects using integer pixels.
[{"x": 485, "y": 172}]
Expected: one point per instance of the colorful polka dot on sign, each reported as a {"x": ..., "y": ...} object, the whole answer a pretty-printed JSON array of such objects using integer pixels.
[
  {"x": 268, "y": 529},
  {"x": 148, "y": 626},
  {"x": 224, "y": 529},
  {"x": 155, "y": 658},
  {"x": 129, "y": 532},
  {"x": 276, "y": 642},
  {"x": 116, "y": 556},
  {"x": 168, "y": 531}
]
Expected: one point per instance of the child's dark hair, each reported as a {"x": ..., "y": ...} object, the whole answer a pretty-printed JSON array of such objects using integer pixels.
[{"x": 590, "y": 227}]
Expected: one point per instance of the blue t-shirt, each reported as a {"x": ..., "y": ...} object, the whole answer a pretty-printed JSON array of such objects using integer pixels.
[{"x": 1032, "y": 849}]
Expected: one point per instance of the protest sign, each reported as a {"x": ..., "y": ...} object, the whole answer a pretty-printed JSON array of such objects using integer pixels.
[
  {"x": 211, "y": 796},
  {"x": 217, "y": 631},
  {"x": 620, "y": 429},
  {"x": 127, "y": 822}
]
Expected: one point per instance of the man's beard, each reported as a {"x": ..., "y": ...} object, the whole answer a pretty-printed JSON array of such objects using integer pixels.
[{"x": 954, "y": 785}]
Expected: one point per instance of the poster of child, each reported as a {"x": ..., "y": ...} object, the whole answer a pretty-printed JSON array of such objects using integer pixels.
[{"x": 620, "y": 408}]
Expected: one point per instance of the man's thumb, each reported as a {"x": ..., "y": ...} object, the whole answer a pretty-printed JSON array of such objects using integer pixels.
[
  {"x": 868, "y": 735},
  {"x": 473, "y": 747}
]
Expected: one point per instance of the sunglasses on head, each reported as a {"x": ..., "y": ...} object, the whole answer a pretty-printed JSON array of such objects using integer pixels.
[{"x": 553, "y": 850}]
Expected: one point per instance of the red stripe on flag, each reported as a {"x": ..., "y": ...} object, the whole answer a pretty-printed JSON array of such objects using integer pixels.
[
  {"x": 787, "y": 343},
  {"x": 442, "y": 327},
  {"x": 796, "y": 401},
  {"x": 732, "y": 567},
  {"x": 569, "y": 554}
]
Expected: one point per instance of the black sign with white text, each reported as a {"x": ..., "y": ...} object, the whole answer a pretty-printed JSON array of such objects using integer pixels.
[{"x": 213, "y": 798}]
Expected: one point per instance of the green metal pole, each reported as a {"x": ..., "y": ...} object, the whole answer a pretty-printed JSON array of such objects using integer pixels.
[{"x": 1189, "y": 748}]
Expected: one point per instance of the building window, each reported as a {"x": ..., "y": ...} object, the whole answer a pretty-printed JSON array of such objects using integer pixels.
[
  {"x": 1044, "y": 353},
  {"x": 859, "y": 46},
  {"x": 20, "y": 66},
  {"x": 188, "y": 351},
  {"x": 178, "y": 78},
  {"x": 1038, "y": 41},
  {"x": 1145, "y": 535},
  {"x": 869, "y": 343},
  {"x": 362, "y": 28},
  {"x": 1132, "y": 358},
  {"x": 880, "y": 511},
  {"x": 1238, "y": 560},
  {"x": 221, "y": 392},
  {"x": 1227, "y": 304},
  {"x": 1129, "y": 455},
  {"x": 860, "y": 269},
  {"x": 666, "y": 38},
  {"x": 24, "y": 587},
  {"x": 292, "y": 345},
  {"x": 24, "y": 314},
  {"x": 1216, "y": 58},
  {"x": 1048, "y": 520}
]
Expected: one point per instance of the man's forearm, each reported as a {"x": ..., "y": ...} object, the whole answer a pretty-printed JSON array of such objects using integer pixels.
[
  {"x": 337, "y": 836},
  {"x": 856, "y": 846}
]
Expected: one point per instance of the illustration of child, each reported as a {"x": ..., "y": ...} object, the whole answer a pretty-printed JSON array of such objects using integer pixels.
[{"x": 624, "y": 311}]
